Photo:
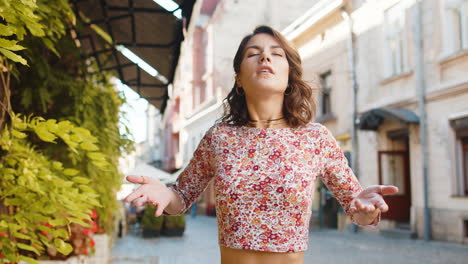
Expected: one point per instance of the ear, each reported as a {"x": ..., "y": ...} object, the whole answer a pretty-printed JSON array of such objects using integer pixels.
[{"x": 238, "y": 82}]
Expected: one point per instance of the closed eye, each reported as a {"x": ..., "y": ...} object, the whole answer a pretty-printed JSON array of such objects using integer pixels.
[{"x": 251, "y": 55}]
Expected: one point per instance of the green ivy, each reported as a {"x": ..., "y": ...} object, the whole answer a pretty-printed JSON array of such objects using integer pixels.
[
  {"x": 40, "y": 191},
  {"x": 62, "y": 163}
]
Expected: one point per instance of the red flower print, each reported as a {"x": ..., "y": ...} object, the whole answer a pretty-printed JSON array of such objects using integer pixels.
[
  {"x": 234, "y": 196},
  {"x": 273, "y": 236},
  {"x": 267, "y": 187}
]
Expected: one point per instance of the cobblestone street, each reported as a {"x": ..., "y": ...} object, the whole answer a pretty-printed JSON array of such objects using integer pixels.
[{"x": 199, "y": 245}]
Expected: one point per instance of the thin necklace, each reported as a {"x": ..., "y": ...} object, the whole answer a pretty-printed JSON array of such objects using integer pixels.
[{"x": 268, "y": 120}]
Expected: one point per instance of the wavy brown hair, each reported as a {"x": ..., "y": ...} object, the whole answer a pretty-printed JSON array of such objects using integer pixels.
[{"x": 298, "y": 105}]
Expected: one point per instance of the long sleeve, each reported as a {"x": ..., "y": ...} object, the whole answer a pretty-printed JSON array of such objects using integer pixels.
[
  {"x": 195, "y": 178},
  {"x": 337, "y": 175}
]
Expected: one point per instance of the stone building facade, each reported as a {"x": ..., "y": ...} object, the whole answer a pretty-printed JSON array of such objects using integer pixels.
[{"x": 385, "y": 50}]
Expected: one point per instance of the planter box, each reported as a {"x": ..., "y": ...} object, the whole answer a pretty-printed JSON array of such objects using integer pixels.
[
  {"x": 103, "y": 250},
  {"x": 173, "y": 232},
  {"x": 101, "y": 255},
  {"x": 72, "y": 260},
  {"x": 149, "y": 233}
]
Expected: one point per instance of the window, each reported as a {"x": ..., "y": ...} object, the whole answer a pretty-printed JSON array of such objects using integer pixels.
[
  {"x": 461, "y": 131},
  {"x": 455, "y": 26},
  {"x": 396, "y": 62},
  {"x": 325, "y": 99},
  {"x": 464, "y": 142}
]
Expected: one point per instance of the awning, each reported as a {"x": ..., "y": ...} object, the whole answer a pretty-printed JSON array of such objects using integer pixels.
[
  {"x": 146, "y": 29},
  {"x": 372, "y": 119}
]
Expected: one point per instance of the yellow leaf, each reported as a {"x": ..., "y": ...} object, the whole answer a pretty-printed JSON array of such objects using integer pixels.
[
  {"x": 12, "y": 56},
  {"x": 70, "y": 172},
  {"x": 96, "y": 156},
  {"x": 81, "y": 180},
  {"x": 18, "y": 134},
  {"x": 62, "y": 247},
  {"x": 88, "y": 146}
]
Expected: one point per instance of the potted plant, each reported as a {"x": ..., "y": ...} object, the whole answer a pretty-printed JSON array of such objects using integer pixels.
[
  {"x": 151, "y": 225},
  {"x": 173, "y": 225}
]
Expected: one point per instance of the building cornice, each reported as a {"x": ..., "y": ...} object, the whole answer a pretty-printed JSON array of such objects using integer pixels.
[{"x": 319, "y": 11}]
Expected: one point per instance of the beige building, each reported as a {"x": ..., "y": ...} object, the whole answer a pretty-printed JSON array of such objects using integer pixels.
[{"x": 391, "y": 113}]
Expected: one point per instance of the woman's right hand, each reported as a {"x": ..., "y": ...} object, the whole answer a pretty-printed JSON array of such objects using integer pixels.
[{"x": 151, "y": 191}]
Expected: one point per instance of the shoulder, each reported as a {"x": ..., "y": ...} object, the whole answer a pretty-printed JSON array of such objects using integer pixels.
[
  {"x": 217, "y": 129},
  {"x": 315, "y": 129}
]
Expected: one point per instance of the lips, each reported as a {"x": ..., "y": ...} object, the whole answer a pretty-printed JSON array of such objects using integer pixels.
[{"x": 266, "y": 69}]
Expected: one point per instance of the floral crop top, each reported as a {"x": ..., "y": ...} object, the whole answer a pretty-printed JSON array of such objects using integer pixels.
[{"x": 264, "y": 182}]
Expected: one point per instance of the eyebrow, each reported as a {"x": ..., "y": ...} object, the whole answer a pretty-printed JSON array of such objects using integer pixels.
[{"x": 258, "y": 47}]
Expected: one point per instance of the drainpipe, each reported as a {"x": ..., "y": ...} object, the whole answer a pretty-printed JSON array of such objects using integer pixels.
[
  {"x": 421, "y": 90},
  {"x": 355, "y": 117}
]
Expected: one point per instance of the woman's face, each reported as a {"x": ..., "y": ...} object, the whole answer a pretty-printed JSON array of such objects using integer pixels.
[{"x": 264, "y": 68}]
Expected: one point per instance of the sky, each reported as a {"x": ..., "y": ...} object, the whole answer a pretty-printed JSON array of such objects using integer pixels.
[{"x": 135, "y": 109}]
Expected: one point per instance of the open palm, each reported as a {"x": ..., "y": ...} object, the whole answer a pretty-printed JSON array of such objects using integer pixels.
[{"x": 370, "y": 202}]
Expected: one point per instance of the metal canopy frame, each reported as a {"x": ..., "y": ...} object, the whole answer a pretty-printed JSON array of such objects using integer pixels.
[{"x": 107, "y": 56}]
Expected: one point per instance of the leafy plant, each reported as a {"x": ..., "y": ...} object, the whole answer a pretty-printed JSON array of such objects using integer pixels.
[
  {"x": 174, "y": 221},
  {"x": 150, "y": 221},
  {"x": 38, "y": 190},
  {"x": 59, "y": 154}
]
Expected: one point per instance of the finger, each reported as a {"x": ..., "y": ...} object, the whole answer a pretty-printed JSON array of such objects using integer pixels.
[
  {"x": 388, "y": 189},
  {"x": 359, "y": 205},
  {"x": 134, "y": 195},
  {"x": 373, "y": 189},
  {"x": 352, "y": 208},
  {"x": 382, "y": 206},
  {"x": 140, "y": 201},
  {"x": 160, "y": 210},
  {"x": 364, "y": 207},
  {"x": 139, "y": 179}
]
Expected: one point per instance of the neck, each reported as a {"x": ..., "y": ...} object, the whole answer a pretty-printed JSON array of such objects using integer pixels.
[{"x": 267, "y": 109}]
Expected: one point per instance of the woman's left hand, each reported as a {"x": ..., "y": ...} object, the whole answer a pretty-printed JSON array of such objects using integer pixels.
[{"x": 369, "y": 203}]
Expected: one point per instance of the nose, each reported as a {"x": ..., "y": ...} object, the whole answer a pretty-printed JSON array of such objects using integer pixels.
[{"x": 265, "y": 57}]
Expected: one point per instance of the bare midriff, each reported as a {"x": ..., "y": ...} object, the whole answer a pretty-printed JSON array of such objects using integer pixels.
[{"x": 240, "y": 256}]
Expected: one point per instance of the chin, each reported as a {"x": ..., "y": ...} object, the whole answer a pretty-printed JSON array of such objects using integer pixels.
[{"x": 268, "y": 90}]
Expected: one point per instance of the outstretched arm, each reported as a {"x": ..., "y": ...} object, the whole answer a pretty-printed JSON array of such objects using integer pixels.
[
  {"x": 367, "y": 206},
  {"x": 363, "y": 206}
]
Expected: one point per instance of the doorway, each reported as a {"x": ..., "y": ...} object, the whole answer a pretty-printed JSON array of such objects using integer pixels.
[{"x": 394, "y": 169}]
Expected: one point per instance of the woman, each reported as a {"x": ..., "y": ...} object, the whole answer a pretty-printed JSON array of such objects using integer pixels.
[{"x": 264, "y": 157}]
